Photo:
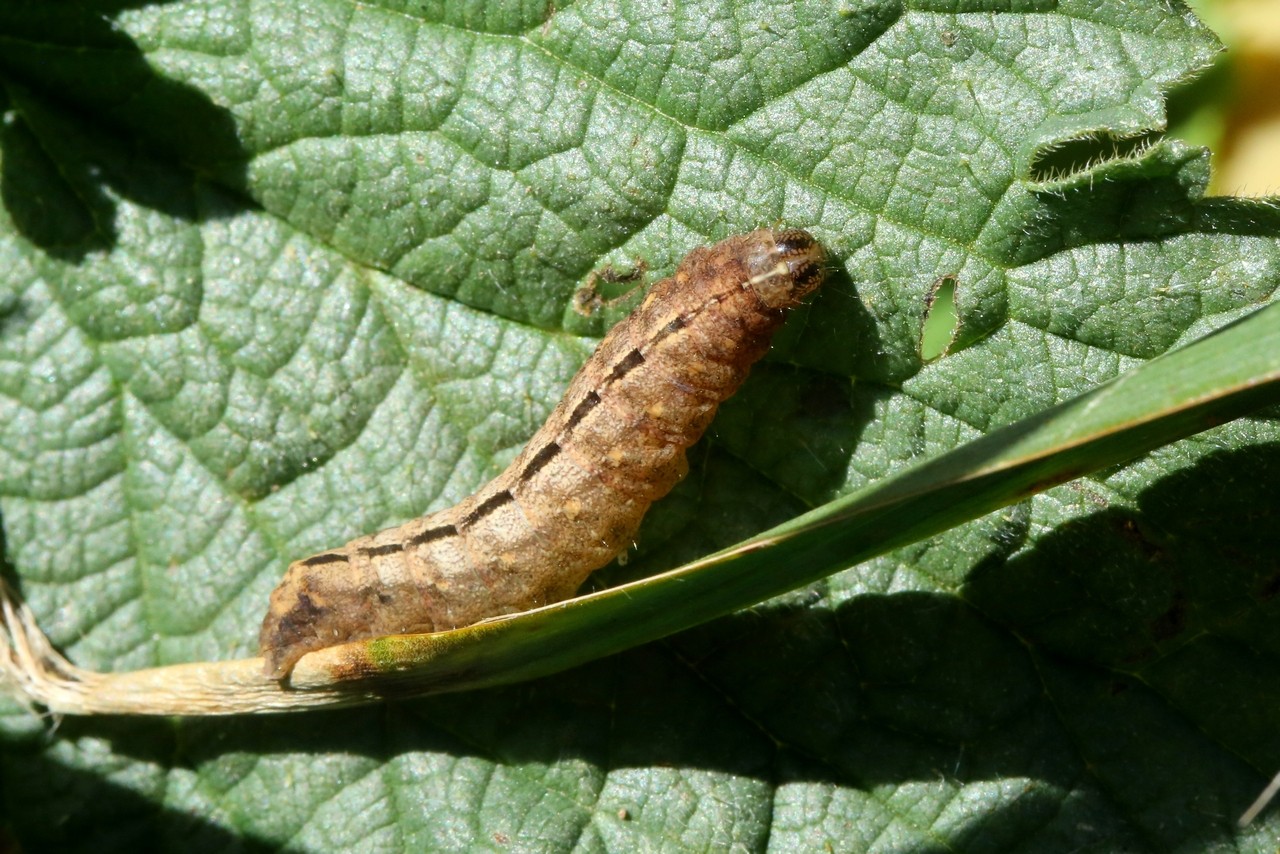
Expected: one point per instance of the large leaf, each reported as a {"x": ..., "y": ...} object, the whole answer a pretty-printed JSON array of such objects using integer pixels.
[{"x": 276, "y": 274}]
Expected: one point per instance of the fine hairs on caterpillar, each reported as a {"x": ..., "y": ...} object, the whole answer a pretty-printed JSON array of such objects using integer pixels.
[{"x": 574, "y": 497}]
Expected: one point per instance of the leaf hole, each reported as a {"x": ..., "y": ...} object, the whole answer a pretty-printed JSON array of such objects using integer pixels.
[
  {"x": 941, "y": 322},
  {"x": 608, "y": 286}
]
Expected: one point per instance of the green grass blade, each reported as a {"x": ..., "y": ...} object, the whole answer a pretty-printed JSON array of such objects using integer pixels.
[{"x": 1220, "y": 377}]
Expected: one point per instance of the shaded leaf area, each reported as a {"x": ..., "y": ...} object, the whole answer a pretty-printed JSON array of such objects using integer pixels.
[
  {"x": 888, "y": 716},
  {"x": 274, "y": 275}
]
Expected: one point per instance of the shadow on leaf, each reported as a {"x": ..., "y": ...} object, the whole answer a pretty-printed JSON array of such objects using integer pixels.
[
  {"x": 1092, "y": 690},
  {"x": 56, "y": 182}
]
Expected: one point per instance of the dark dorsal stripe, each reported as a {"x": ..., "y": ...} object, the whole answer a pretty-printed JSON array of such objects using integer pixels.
[
  {"x": 432, "y": 534},
  {"x": 540, "y": 459},
  {"x": 488, "y": 506},
  {"x": 590, "y": 402},
  {"x": 327, "y": 557},
  {"x": 629, "y": 362}
]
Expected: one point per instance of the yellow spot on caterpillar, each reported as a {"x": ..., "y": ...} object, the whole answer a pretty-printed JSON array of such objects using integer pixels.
[{"x": 573, "y": 509}]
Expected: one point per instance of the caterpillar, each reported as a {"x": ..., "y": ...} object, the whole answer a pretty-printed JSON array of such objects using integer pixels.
[{"x": 574, "y": 497}]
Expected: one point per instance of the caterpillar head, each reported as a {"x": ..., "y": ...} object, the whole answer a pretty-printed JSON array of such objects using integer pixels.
[{"x": 785, "y": 266}]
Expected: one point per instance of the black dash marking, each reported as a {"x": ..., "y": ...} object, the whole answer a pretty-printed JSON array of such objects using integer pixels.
[
  {"x": 540, "y": 459},
  {"x": 671, "y": 328},
  {"x": 634, "y": 359},
  {"x": 322, "y": 559},
  {"x": 434, "y": 534},
  {"x": 388, "y": 549},
  {"x": 488, "y": 506},
  {"x": 580, "y": 411}
]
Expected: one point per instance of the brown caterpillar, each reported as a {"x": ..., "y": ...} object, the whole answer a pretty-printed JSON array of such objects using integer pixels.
[{"x": 575, "y": 496}]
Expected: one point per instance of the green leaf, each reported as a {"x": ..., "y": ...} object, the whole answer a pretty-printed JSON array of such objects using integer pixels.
[{"x": 275, "y": 274}]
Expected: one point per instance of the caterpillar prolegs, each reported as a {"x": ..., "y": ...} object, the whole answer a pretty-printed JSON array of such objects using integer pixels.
[{"x": 573, "y": 499}]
